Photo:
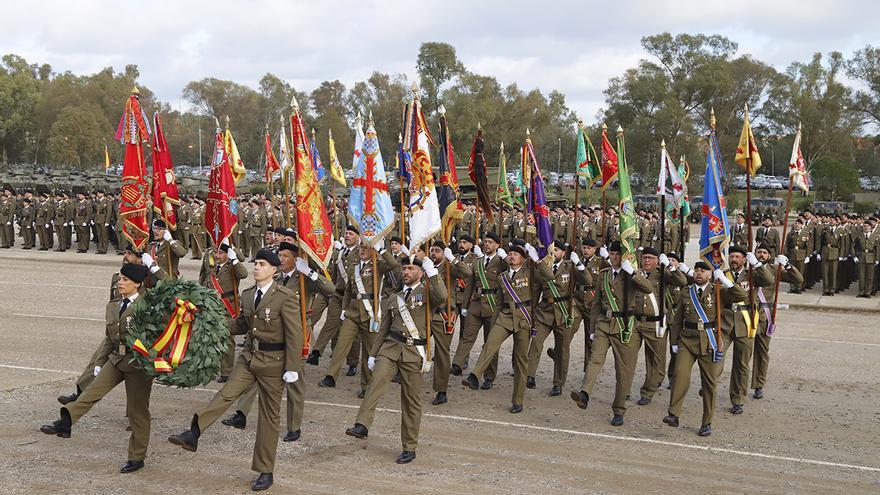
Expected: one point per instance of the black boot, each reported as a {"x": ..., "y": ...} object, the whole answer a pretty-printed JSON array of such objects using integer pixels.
[
  {"x": 671, "y": 420},
  {"x": 313, "y": 358},
  {"x": 263, "y": 482},
  {"x": 328, "y": 382},
  {"x": 237, "y": 420},
  {"x": 406, "y": 457},
  {"x": 455, "y": 370},
  {"x": 131, "y": 466},
  {"x": 440, "y": 399},
  {"x": 530, "y": 382},
  {"x": 188, "y": 439},
  {"x": 580, "y": 398},
  {"x": 67, "y": 399},
  {"x": 291, "y": 436},
  {"x": 472, "y": 382},
  {"x": 59, "y": 427},
  {"x": 357, "y": 431}
]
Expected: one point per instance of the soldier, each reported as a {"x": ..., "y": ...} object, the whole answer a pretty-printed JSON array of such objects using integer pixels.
[
  {"x": 814, "y": 271},
  {"x": 693, "y": 335},
  {"x": 289, "y": 273},
  {"x": 768, "y": 236},
  {"x": 256, "y": 226},
  {"x": 867, "y": 248},
  {"x": 479, "y": 304},
  {"x": 221, "y": 270},
  {"x": 616, "y": 286},
  {"x": 585, "y": 294},
  {"x": 59, "y": 220},
  {"x": 797, "y": 245},
  {"x": 739, "y": 235},
  {"x": 359, "y": 315},
  {"x": 114, "y": 365},
  {"x": 82, "y": 218},
  {"x": 400, "y": 349},
  {"x": 767, "y": 300},
  {"x": 103, "y": 213},
  {"x": 513, "y": 316},
  {"x": 392, "y": 280},
  {"x": 555, "y": 313},
  {"x": 26, "y": 222},
  {"x": 165, "y": 250},
  {"x": 270, "y": 358},
  {"x": 832, "y": 240},
  {"x": 518, "y": 227},
  {"x": 7, "y": 216},
  {"x": 197, "y": 229},
  {"x": 443, "y": 319},
  {"x": 44, "y": 222}
]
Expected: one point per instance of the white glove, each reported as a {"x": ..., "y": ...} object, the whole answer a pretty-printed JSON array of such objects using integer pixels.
[
  {"x": 429, "y": 268},
  {"x": 752, "y": 259},
  {"x": 85, "y": 224},
  {"x": 106, "y": 225},
  {"x": 654, "y": 238},
  {"x": 447, "y": 253},
  {"x": 147, "y": 260},
  {"x": 233, "y": 256},
  {"x": 337, "y": 244},
  {"x": 404, "y": 249},
  {"x": 463, "y": 313},
  {"x": 592, "y": 336},
  {"x": 371, "y": 363},
  {"x": 167, "y": 235},
  {"x": 302, "y": 266},
  {"x": 575, "y": 258},
  {"x": 96, "y": 371},
  {"x": 807, "y": 261},
  {"x": 533, "y": 253},
  {"x": 290, "y": 376},
  {"x": 627, "y": 267},
  {"x": 684, "y": 268},
  {"x": 818, "y": 257},
  {"x": 47, "y": 225},
  {"x": 856, "y": 259},
  {"x": 380, "y": 241},
  {"x": 675, "y": 349},
  {"x": 502, "y": 253},
  {"x": 479, "y": 252},
  {"x": 603, "y": 252},
  {"x": 664, "y": 260},
  {"x": 342, "y": 316},
  {"x": 781, "y": 260},
  {"x": 65, "y": 224},
  {"x": 721, "y": 277}
]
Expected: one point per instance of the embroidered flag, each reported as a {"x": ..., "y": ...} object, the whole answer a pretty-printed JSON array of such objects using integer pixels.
[
  {"x": 132, "y": 132},
  {"x": 369, "y": 205},
  {"x": 165, "y": 196},
  {"x": 424, "y": 207}
]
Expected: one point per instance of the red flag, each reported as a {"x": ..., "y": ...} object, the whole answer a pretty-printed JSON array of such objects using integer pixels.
[
  {"x": 479, "y": 174},
  {"x": 312, "y": 222},
  {"x": 221, "y": 212},
  {"x": 609, "y": 160},
  {"x": 165, "y": 197},
  {"x": 272, "y": 165},
  {"x": 132, "y": 132}
]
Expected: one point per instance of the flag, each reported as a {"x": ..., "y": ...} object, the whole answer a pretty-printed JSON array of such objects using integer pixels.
[
  {"x": 132, "y": 132},
  {"x": 797, "y": 168},
  {"x": 587, "y": 162},
  {"x": 165, "y": 197},
  {"x": 424, "y": 204},
  {"x": 336, "y": 172},
  {"x": 677, "y": 211},
  {"x": 285, "y": 162},
  {"x": 221, "y": 210},
  {"x": 518, "y": 190},
  {"x": 537, "y": 204},
  {"x": 502, "y": 193},
  {"x": 670, "y": 184},
  {"x": 272, "y": 165},
  {"x": 479, "y": 174},
  {"x": 106, "y": 158},
  {"x": 629, "y": 229},
  {"x": 313, "y": 227},
  {"x": 316, "y": 159},
  {"x": 715, "y": 229},
  {"x": 238, "y": 170},
  {"x": 609, "y": 160},
  {"x": 369, "y": 205},
  {"x": 747, "y": 154},
  {"x": 404, "y": 163},
  {"x": 448, "y": 193}
]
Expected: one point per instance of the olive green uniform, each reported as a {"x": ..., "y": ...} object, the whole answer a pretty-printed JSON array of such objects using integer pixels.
[
  {"x": 82, "y": 218},
  {"x": 167, "y": 255},
  {"x": 832, "y": 240},
  {"x": 343, "y": 263},
  {"x": 103, "y": 215},
  {"x": 26, "y": 221},
  {"x": 761, "y": 360},
  {"x": 7, "y": 216},
  {"x": 227, "y": 276},
  {"x": 44, "y": 224},
  {"x": 480, "y": 300},
  {"x": 443, "y": 322}
]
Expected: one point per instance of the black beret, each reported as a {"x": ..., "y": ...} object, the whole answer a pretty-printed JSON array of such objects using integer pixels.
[
  {"x": 278, "y": 230},
  {"x": 560, "y": 244},
  {"x": 590, "y": 242},
  {"x": 737, "y": 249},
  {"x": 26, "y": 200},
  {"x": 440, "y": 244},
  {"x": 134, "y": 272},
  {"x": 495, "y": 237},
  {"x": 288, "y": 246},
  {"x": 614, "y": 247},
  {"x": 268, "y": 256},
  {"x": 288, "y": 232},
  {"x": 702, "y": 265},
  {"x": 650, "y": 250},
  {"x": 673, "y": 255},
  {"x": 515, "y": 247},
  {"x": 412, "y": 261},
  {"x": 396, "y": 239},
  {"x": 159, "y": 224},
  {"x": 353, "y": 229},
  {"x": 467, "y": 237},
  {"x": 764, "y": 246}
]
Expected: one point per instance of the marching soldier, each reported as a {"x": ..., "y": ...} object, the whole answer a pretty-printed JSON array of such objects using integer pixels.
[
  {"x": 222, "y": 271},
  {"x": 165, "y": 250},
  {"x": 256, "y": 225},
  {"x": 513, "y": 316},
  {"x": 614, "y": 309},
  {"x": 797, "y": 246},
  {"x": 114, "y": 366},
  {"x": 392, "y": 280},
  {"x": 103, "y": 213},
  {"x": 694, "y": 338},
  {"x": 739, "y": 235},
  {"x": 197, "y": 229},
  {"x": 400, "y": 349},
  {"x": 768, "y": 236},
  {"x": 271, "y": 356},
  {"x": 82, "y": 218}
]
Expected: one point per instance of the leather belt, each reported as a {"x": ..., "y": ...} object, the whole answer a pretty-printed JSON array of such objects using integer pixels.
[
  {"x": 341, "y": 292},
  {"x": 765, "y": 305},
  {"x": 648, "y": 318},
  {"x": 740, "y": 307},
  {"x": 523, "y": 303},
  {"x": 407, "y": 339},
  {"x": 552, "y": 300},
  {"x": 256, "y": 345},
  {"x": 616, "y": 314},
  {"x": 481, "y": 291},
  {"x": 693, "y": 326},
  {"x": 364, "y": 296}
]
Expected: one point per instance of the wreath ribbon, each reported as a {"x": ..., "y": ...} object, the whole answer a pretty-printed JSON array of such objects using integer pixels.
[{"x": 178, "y": 330}]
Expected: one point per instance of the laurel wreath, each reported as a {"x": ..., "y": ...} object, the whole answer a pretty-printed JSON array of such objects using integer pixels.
[{"x": 208, "y": 341}]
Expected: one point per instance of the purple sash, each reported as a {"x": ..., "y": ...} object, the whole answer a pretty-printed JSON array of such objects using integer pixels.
[
  {"x": 771, "y": 325},
  {"x": 518, "y": 303}
]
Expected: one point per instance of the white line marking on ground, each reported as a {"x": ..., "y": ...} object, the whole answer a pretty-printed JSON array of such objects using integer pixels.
[
  {"x": 57, "y": 285},
  {"x": 801, "y": 339},
  {"x": 604, "y": 436},
  {"x": 57, "y": 317}
]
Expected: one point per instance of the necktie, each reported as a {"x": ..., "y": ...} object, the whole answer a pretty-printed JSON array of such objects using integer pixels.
[
  {"x": 700, "y": 293},
  {"x": 258, "y": 298},
  {"x": 614, "y": 275},
  {"x": 735, "y": 277},
  {"x": 286, "y": 278},
  {"x": 407, "y": 293},
  {"x": 125, "y": 303},
  {"x": 555, "y": 268}
]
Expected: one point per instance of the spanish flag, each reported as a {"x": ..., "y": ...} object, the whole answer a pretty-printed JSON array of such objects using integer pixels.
[{"x": 747, "y": 150}]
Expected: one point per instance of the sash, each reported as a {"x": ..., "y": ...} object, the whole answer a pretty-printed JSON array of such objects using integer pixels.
[
  {"x": 562, "y": 307},
  {"x": 176, "y": 336},
  {"x": 771, "y": 325},
  {"x": 340, "y": 267},
  {"x": 659, "y": 329},
  {"x": 229, "y": 308},
  {"x": 368, "y": 305},
  {"x": 484, "y": 283},
  {"x": 717, "y": 354},
  {"x": 625, "y": 329},
  {"x": 518, "y": 303},
  {"x": 751, "y": 322},
  {"x": 413, "y": 332}
]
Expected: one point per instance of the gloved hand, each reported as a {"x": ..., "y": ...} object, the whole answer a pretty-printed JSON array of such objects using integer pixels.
[
  {"x": 65, "y": 224},
  {"x": 290, "y": 376},
  {"x": 380, "y": 241},
  {"x": 818, "y": 257},
  {"x": 664, "y": 260},
  {"x": 781, "y": 259},
  {"x": 856, "y": 259},
  {"x": 404, "y": 249},
  {"x": 502, "y": 253},
  {"x": 463, "y": 313},
  {"x": 233, "y": 256},
  {"x": 47, "y": 225},
  {"x": 96, "y": 371},
  {"x": 147, "y": 260},
  {"x": 574, "y": 258},
  {"x": 807, "y": 261},
  {"x": 684, "y": 268},
  {"x": 592, "y": 336},
  {"x": 675, "y": 349},
  {"x": 167, "y": 235},
  {"x": 302, "y": 266},
  {"x": 627, "y": 267},
  {"x": 603, "y": 252},
  {"x": 428, "y": 266},
  {"x": 478, "y": 252},
  {"x": 106, "y": 225},
  {"x": 532, "y": 252},
  {"x": 85, "y": 224},
  {"x": 722, "y": 278},
  {"x": 447, "y": 253},
  {"x": 371, "y": 363},
  {"x": 337, "y": 244},
  {"x": 752, "y": 259},
  {"x": 342, "y": 316}
]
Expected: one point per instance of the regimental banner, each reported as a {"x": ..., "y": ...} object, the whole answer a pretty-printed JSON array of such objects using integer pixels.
[
  {"x": 221, "y": 210},
  {"x": 132, "y": 132},
  {"x": 312, "y": 222}
]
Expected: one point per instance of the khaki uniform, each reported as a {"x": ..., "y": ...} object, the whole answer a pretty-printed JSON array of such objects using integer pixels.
[
  {"x": 44, "y": 224},
  {"x": 197, "y": 231},
  {"x": 82, "y": 218},
  {"x": 103, "y": 214},
  {"x": 394, "y": 354},
  {"x": 740, "y": 236},
  {"x": 167, "y": 256},
  {"x": 7, "y": 216},
  {"x": 480, "y": 301},
  {"x": 227, "y": 276},
  {"x": 867, "y": 249},
  {"x": 26, "y": 221},
  {"x": 184, "y": 212},
  {"x": 761, "y": 360},
  {"x": 831, "y": 245},
  {"x": 343, "y": 264},
  {"x": 584, "y": 300},
  {"x": 769, "y": 237},
  {"x": 61, "y": 224},
  {"x": 256, "y": 226},
  {"x": 797, "y": 249},
  {"x": 443, "y": 321}
]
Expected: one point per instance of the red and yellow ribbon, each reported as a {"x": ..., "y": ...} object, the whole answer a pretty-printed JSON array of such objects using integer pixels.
[{"x": 178, "y": 330}]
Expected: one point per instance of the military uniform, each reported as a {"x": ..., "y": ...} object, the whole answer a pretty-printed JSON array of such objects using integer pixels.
[
  {"x": 768, "y": 236},
  {"x": 26, "y": 221},
  {"x": 867, "y": 250},
  {"x": 832, "y": 241},
  {"x": 443, "y": 322},
  {"x": 761, "y": 361},
  {"x": 7, "y": 216},
  {"x": 343, "y": 263},
  {"x": 82, "y": 218},
  {"x": 739, "y": 235},
  {"x": 44, "y": 224},
  {"x": 167, "y": 255},
  {"x": 197, "y": 231},
  {"x": 480, "y": 300},
  {"x": 797, "y": 245},
  {"x": 103, "y": 214},
  {"x": 224, "y": 278},
  {"x": 584, "y": 300}
]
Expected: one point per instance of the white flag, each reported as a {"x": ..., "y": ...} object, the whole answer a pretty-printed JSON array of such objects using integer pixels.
[
  {"x": 670, "y": 183},
  {"x": 797, "y": 168},
  {"x": 282, "y": 152},
  {"x": 424, "y": 209}
]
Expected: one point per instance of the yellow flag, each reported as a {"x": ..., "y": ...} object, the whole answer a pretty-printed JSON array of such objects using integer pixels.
[
  {"x": 335, "y": 168},
  {"x": 106, "y": 159},
  {"x": 238, "y": 170},
  {"x": 747, "y": 155}
]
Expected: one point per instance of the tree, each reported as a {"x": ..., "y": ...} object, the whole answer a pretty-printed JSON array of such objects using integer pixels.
[
  {"x": 329, "y": 104},
  {"x": 78, "y": 135},
  {"x": 834, "y": 180},
  {"x": 383, "y": 97},
  {"x": 18, "y": 95},
  {"x": 436, "y": 64},
  {"x": 865, "y": 68}
]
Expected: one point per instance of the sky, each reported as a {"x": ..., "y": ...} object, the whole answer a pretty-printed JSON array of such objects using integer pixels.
[{"x": 571, "y": 46}]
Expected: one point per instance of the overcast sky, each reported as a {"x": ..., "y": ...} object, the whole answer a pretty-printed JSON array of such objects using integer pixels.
[{"x": 571, "y": 46}]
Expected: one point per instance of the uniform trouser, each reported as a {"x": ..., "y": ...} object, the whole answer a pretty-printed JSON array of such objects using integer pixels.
[
  {"x": 866, "y": 278},
  {"x": 122, "y": 242},
  {"x": 228, "y": 359},
  {"x": 489, "y": 355},
  {"x": 562, "y": 336},
  {"x": 410, "y": 397},
  {"x": 625, "y": 357},
  {"x": 466, "y": 339},
  {"x": 28, "y": 234},
  {"x": 761, "y": 356},
  {"x": 138, "y": 386},
  {"x": 82, "y": 237},
  {"x": 829, "y": 275},
  {"x": 196, "y": 244},
  {"x": 6, "y": 238},
  {"x": 184, "y": 239},
  {"x": 348, "y": 334},
  {"x": 45, "y": 236},
  {"x": 442, "y": 358},
  {"x": 296, "y": 399},
  {"x": 330, "y": 330},
  {"x": 68, "y": 236},
  {"x": 689, "y": 352},
  {"x": 743, "y": 348},
  {"x": 103, "y": 237},
  {"x": 655, "y": 358},
  {"x": 255, "y": 242},
  {"x": 270, "y": 388},
  {"x": 62, "y": 242},
  {"x": 800, "y": 265},
  {"x": 588, "y": 330}
]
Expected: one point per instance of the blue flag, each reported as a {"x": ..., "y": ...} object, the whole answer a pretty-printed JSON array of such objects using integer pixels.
[
  {"x": 404, "y": 162},
  {"x": 715, "y": 231},
  {"x": 316, "y": 159},
  {"x": 369, "y": 205},
  {"x": 537, "y": 204}
]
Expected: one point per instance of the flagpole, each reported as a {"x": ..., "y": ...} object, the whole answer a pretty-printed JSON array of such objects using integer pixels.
[
  {"x": 402, "y": 196},
  {"x": 681, "y": 217},
  {"x": 302, "y": 282},
  {"x": 577, "y": 188},
  {"x": 715, "y": 173},
  {"x": 231, "y": 246},
  {"x": 749, "y": 207},
  {"x": 781, "y": 247},
  {"x": 604, "y": 185}
]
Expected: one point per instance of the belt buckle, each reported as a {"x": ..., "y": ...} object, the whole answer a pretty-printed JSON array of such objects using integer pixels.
[
  {"x": 701, "y": 326},
  {"x": 409, "y": 340}
]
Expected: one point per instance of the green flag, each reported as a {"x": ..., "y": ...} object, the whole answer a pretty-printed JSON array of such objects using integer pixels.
[
  {"x": 519, "y": 191},
  {"x": 587, "y": 160},
  {"x": 502, "y": 192},
  {"x": 628, "y": 226}
]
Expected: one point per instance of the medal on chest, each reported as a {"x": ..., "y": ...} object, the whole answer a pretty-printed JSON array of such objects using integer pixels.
[
  {"x": 416, "y": 300},
  {"x": 521, "y": 283},
  {"x": 564, "y": 278},
  {"x": 267, "y": 318}
]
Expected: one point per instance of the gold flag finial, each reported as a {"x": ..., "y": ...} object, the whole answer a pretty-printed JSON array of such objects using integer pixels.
[
  {"x": 528, "y": 133},
  {"x": 135, "y": 91},
  {"x": 663, "y": 143},
  {"x": 479, "y": 126},
  {"x": 399, "y": 138},
  {"x": 370, "y": 118},
  {"x": 442, "y": 110},
  {"x": 619, "y": 129},
  {"x": 293, "y": 103},
  {"x": 216, "y": 123},
  {"x": 712, "y": 118},
  {"x": 502, "y": 147},
  {"x": 799, "y": 127},
  {"x": 604, "y": 126},
  {"x": 226, "y": 121},
  {"x": 330, "y": 133},
  {"x": 267, "y": 127},
  {"x": 313, "y": 133},
  {"x": 415, "y": 88}
]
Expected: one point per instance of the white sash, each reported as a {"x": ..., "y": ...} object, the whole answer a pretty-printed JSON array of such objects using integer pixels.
[
  {"x": 368, "y": 304},
  {"x": 659, "y": 330},
  {"x": 340, "y": 267},
  {"x": 413, "y": 332}
]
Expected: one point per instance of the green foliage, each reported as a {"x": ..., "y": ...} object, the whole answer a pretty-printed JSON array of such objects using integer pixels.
[
  {"x": 834, "y": 180},
  {"x": 209, "y": 335},
  {"x": 77, "y": 136},
  {"x": 864, "y": 207}
]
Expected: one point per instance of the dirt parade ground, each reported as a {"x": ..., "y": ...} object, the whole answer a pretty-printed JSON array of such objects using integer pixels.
[{"x": 816, "y": 431}]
